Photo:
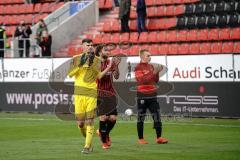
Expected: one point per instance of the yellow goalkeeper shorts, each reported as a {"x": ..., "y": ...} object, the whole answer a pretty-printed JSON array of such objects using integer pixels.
[{"x": 85, "y": 107}]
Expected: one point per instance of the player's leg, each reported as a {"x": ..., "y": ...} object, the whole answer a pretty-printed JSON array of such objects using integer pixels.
[
  {"x": 111, "y": 104},
  {"x": 89, "y": 122},
  {"x": 141, "y": 108},
  {"x": 111, "y": 121},
  {"x": 80, "y": 113},
  {"x": 103, "y": 130},
  {"x": 155, "y": 112}
]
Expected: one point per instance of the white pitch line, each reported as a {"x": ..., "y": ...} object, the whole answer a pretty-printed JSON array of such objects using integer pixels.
[
  {"x": 190, "y": 124},
  {"x": 171, "y": 123},
  {"x": 28, "y": 119}
]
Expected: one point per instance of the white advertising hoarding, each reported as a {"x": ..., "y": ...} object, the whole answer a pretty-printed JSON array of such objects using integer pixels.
[
  {"x": 201, "y": 68},
  {"x": 194, "y": 68},
  {"x": 237, "y": 67},
  {"x": 60, "y": 70},
  {"x": 27, "y": 70},
  {"x": 128, "y": 67},
  {"x": 1, "y": 71}
]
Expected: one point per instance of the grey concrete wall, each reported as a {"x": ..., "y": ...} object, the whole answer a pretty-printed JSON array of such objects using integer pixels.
[{"x": 75, "y": 25}]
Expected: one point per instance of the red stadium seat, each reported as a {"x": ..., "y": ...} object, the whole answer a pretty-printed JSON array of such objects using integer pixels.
[
  {"x": 133, "y": 25},
  {"x": 166, "y": 1},
  {"x": 150, "y": 2},
  {"x": 134, "y": 2},
  {"x": 224, "y": 34},
  {"x": 29, "y": 8},
  {"x": 163, "y": 49},
  {"x": 23, "y": 8},
  {"x": 15, "y": 9},
  {"x": 153, "y": 24},
  {"x": 151, "y": 12},
  {"x": 179, "y": 9},
  {"x": 235, "y": 33},
  {"x": 182, "y": 35},
  {"x": 213, "y": 34},
  {"x": 194, "y": 48},
  {"x": 173, "y": 49},
  {"x": 227, "y": 47},
  {"x": 171, "y": 36},
  {"x": 202, "y": 35},
  {"x": 170, "y": 22},
  {"x": 107, "y": 26},
  {"x": 116, "y": 26},
  {"x": 133, "y": 14},
  {"x": 154, "y": 49},
  {"x": 115, "y": 51},
  {"x": 90, "y": 36},
  {"x": 236, "y": 47},
  {"x": 72, "y": 50},
  {"x": 145, "y": 46},
  {"x": 192, "y": 35},
  {"x": 183, "y": 48},
  {"x": 124, "y": 37},
  {"x": 161, "y": 11},
  {"x": 134, "y": 50},
  {"x": 205, "y": 48},
  {"x": 159, "y": 2},
  {"x": 108, "y": 4},
  {"x": 37, "y": 7},
  {"x": 101, "y": 4},
  {"x": 161, "y": 37},
  {"x": 134, "y": 37},
  {"x": 216, "y": 47},
  {"x": 106, "y": 38},
  {"x": 115, "y": 38},
  {"x": 143, "y": 38},
  {"x": 28, "y": 18},
  {"x": 161, "y": 23},
  {"x": 170, "y": 10},
  {"x": 97, "y": 39},
  {"x": 152, "y": 37}
]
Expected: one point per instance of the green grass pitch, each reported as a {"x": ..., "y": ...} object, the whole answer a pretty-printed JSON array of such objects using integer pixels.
[{"x": 26, "y": 136}]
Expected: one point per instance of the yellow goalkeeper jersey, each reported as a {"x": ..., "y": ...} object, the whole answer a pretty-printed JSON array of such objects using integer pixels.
[{"x": 85, "y": 77}]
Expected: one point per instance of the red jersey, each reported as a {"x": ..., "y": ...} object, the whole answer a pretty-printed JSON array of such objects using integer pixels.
[
  {"x": 146, "y": 79},
  {"x": 105, "y": 84}
]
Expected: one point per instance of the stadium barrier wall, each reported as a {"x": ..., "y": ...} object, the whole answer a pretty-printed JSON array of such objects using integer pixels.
[{"x": 25, "y": 85}]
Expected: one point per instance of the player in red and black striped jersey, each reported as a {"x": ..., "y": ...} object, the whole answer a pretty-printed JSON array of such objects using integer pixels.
[{"x": 107, "y": 101}]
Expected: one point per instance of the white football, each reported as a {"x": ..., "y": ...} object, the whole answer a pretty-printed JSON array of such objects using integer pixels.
[{"x": 129, "y": 112}]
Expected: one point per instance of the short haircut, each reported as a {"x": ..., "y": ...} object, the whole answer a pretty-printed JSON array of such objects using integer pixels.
[
  {"x": 87, "y": 40},
  {"x": 98, "y": 49},
  {"x": 142, "y": 51}
]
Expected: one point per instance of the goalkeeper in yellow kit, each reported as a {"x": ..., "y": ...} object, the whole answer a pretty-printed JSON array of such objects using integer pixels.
[{"x": 86, "y": 70}]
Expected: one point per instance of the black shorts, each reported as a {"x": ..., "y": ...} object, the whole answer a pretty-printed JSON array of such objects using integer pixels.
[{"x": 107, "y": 106}]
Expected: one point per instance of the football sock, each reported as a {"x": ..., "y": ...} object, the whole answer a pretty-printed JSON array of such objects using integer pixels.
[
  {"x": 110, "y": 125},
  {"x": 140, "y": 130},
  {"x": 103, "y": 130},
  {"x": 83, "y": 130},
  {"x": 158, "y": 131},
  {"x": 89, "y": 136}
]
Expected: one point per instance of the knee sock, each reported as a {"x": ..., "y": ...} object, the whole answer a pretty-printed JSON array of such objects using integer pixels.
[
  {"x": 140, "y": 130},
  {"x": 103, "y": 130},
  {"x": 110, "y": 125},
  {"x": 83, "y": 130},
  {"x": 89, "y": 136}
]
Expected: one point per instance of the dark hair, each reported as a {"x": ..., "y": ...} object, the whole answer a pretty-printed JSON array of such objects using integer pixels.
[
  {"x": 87, "y": 40},
  {"x": 98, "y": 50}
]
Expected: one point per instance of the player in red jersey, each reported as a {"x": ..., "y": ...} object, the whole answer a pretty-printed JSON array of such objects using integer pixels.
[
  {"x": 107, "y": 101},
  {"x": 147, "y": 76}
]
